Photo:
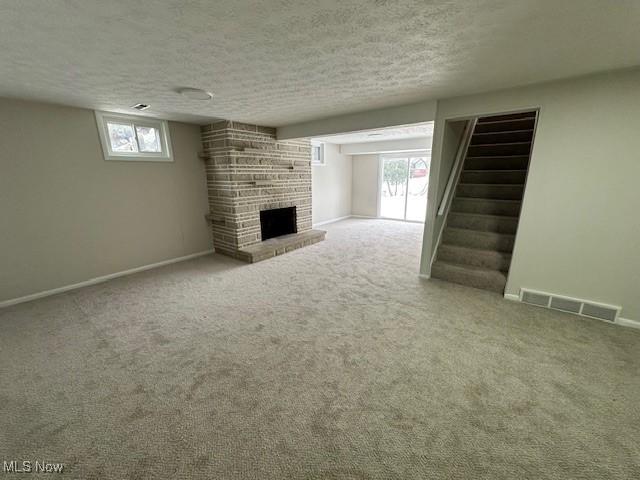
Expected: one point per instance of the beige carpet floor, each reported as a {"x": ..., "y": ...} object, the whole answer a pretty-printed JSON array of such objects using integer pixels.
[{"x": 331, "y": 362}]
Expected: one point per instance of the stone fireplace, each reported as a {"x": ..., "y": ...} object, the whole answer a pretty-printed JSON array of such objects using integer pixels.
[{"x": 257, "y": 185}]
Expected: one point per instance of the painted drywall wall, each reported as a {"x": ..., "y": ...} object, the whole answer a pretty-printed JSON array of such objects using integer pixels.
[
  {"x": 387, "y": 146},
  {"x": 331, "y": 186},
  {"x": 579, "y": 228},
  {"x": 68, "y": 215},
  {"x": 365, "y": 185},
  {"x": 378, "y": 118},
  {"x": 447, "y": 145}
]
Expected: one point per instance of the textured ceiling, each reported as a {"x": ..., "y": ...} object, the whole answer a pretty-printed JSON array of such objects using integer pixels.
[
  {"x": 277, "y": 62},
  {"x": 418, "y": 130}
]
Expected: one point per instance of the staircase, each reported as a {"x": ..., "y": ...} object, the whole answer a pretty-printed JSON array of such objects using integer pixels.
[{"x": 478, "y": 237}]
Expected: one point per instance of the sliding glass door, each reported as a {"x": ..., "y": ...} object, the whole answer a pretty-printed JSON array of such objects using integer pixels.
[
  {"x": 393, "y": 196},
  {"x": 403, "y": 188},
  {"x": 418, "y": 183}
]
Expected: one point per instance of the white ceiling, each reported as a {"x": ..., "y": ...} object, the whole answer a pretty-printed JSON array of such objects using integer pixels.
[
  {"x": 277, "y": 62},
  {"x": 418, "y": 130}
]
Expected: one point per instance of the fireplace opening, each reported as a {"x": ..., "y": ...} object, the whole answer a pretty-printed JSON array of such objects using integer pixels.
[{"x": 277, "y": 222}]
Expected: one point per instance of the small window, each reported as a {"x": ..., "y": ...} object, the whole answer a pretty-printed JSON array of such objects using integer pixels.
[
  {"x": 126, "y": 137},
  {"x": 317, "y": 154}
]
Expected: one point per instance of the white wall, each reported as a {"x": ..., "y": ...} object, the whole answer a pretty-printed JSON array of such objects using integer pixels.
[
  {"x": 331, "y": 186},
  {"x": 579, "y": 231},
  {"x": 378, "y": 118},
  {"x": 439, "y": 172},
  {"x": 67, "y": 215},
  {"x": 365, "y": 185}
]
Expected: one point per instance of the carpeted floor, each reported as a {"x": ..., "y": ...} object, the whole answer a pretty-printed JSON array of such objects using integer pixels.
[{"x": 331, "y": 362}]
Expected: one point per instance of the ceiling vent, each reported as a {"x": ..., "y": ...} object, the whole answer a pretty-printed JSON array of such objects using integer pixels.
[
  {"x": 141, "y": 106},
  {"x": 585, "y": 308}
]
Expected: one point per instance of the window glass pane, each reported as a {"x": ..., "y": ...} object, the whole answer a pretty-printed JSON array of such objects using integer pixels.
[
  {"x": 418, "y": 185},
  {"x": 148, "y": 139},
  {"x": 122, "y": 137},
  {"x": 393, "y": 193}
]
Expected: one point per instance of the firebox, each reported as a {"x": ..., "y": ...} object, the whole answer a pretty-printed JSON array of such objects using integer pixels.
[{"x": 277, "y": 222}]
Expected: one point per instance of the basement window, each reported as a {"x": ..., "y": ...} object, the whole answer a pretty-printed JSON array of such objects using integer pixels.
[
  {"x": 317, "y": 154},
  {"x": 131, "y": 138}
]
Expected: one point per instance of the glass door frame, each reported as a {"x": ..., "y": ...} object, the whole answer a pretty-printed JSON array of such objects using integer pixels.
[{"x": 408, "y": 156}]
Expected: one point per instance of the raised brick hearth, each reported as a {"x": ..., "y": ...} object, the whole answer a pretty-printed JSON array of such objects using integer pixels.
[{"x": 248, "y": 170}]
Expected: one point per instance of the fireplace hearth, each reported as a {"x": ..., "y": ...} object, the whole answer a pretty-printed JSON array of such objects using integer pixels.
[{"x": 277, "y": 222}]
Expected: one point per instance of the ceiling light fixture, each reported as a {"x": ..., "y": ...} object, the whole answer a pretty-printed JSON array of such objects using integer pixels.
[
  {"x": 140, "y": 106},
  {"x": 195, "y": 93}
]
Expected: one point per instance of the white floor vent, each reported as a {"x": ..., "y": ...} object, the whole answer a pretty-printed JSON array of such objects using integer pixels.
[{"x": 585, "y": 308}]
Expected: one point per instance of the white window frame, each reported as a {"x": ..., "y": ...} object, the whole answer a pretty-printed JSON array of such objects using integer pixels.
[
  {"x": 321, "y": 162},
  {"x": 165, "y": 155}
]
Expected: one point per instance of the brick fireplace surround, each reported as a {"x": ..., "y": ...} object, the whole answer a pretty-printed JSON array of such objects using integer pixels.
[{"x": 248, "y": 170}]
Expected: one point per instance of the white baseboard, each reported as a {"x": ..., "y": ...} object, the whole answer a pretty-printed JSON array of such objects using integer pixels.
[
  {"x": 331, "y": 221},
  {"x": 627, "y": 322},
  {"x": 512, "y": 297},
  {"x": 360, "y": 216},
  {"x": 104, "y": 278},
  {"x": 387, "y": 218},
  {"x": 424, "y": 275}
]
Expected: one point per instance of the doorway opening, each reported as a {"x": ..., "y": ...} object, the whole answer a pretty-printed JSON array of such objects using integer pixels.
[
  {"x": 404, "y": 184},
  {"x": 378, "y": 173}
]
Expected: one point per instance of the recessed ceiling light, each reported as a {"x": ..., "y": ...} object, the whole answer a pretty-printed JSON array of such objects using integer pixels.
[
  {"x": 195, "y": 93},
  {"x": 140, "y": 106}
]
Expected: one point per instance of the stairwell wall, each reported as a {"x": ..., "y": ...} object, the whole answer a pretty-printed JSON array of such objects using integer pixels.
[
  {"x": 446, "y": 145},
  {"x": 579, "y": 227}
]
